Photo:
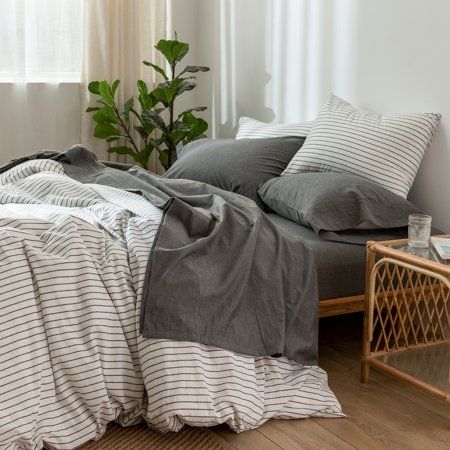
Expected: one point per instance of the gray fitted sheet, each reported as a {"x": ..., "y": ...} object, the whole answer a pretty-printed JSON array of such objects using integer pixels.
[{"x": 340, "y": 266}]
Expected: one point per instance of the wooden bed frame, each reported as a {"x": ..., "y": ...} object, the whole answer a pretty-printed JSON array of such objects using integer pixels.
[
  {"x": 341, "y": 305},
  {"x": 345, "y": 305}
]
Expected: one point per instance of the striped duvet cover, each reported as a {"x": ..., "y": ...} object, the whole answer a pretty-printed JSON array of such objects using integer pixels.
[{"x": 72, "y": 264}]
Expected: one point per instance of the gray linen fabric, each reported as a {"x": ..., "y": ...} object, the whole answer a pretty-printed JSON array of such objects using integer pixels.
[
  {"x": 335, "y": 205},
  {"x": 220, "y": 273},
  {"x": 240, "y": 166},
  {"x": 340, "y": 266}
]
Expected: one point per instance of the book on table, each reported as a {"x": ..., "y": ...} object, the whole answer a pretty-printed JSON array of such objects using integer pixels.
[{"x": 442, "y": 246}]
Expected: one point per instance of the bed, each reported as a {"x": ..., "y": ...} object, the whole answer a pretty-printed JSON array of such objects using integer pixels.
[
  {"x": 72, "y": 269},
  {"x": 125, "y": 296}
]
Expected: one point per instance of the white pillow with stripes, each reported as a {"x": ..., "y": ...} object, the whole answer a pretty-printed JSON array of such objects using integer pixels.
[
  {"x": 254, "y": 129},
  {"x": 384, "y": 148}
]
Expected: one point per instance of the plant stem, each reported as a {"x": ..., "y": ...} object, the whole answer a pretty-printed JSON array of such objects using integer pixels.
[
  {"x": 170, "y": 146},
  {"x": 126, "y": 129}
]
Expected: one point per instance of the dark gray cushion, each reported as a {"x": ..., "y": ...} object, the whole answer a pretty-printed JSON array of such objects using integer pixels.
[
  {"x": 240, "y": 166},
  {"x": 335, "y": 202}
]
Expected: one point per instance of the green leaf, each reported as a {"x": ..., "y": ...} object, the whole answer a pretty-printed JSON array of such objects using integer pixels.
[
  {"x": 158, "y": 69},
  {"x": 178, "y": 135},
  {"x": 186, "y": 86},
  {"x": 106, "y": 93},
  {"x": 194, "y": 69},
  {"x": 154, "y": 119},
  {"x": 164, "y": 158},
  {"x": 142, "y": 87},
  {"x": 146, "y": 99},
  {"x": 147, "y": 102},
  {"x": 127, "y": 108},
  {"x": 156, "y": 142},
  {"x": 121, "y": 150},
  {"x": 176, "y": 82},
  {"x": 93, "y": 87},
  {"x": 115, "y": 85},
  {"x": 180, "y": 50},
  {"x": 143, "y": 156},
  {"x": 179, "y": 125},
  {"x": 113, "y": 138},
  {"x": 165, "y": 94},
  {"x": 92, "y": 109},
  {"x": 173, "y": 51},
  {"x": 198, "y": 108},
  {"x": 105, "y": 130},
  {"x": 105, "y": 115},
  {"x": 147, "y": 127},
  {"x": 142, "y": 131},
  {"x": 197, "y": 127},
  {"x": 103, "y": 103},
  {"x": 180, "y": 84}
]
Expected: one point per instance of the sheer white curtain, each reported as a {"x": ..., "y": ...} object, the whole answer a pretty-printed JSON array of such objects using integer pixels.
[
  {"x": 51, "y": 49},
  {"x": 40, "y": 65},
  {"x": 118, "y": 36},
  {"x": 40, "y": 40}
]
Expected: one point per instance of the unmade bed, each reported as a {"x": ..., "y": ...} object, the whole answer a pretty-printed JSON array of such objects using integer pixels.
[{"x": 73, "y": 262}]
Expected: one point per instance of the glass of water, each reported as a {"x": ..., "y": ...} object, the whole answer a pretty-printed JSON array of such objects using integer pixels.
[{"x": 419, "y": 228}]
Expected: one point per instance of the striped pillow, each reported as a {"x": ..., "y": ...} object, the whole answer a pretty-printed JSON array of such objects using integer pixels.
[
  {"x": 254, "y": 129},
  {"x": 384, "y": 148}
]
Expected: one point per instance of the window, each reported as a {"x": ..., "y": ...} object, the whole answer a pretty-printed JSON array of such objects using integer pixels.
[{"x": 40, "y": 40}]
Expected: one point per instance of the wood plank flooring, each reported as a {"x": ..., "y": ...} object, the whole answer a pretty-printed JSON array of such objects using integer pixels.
[{"x": 383, "y": 413}]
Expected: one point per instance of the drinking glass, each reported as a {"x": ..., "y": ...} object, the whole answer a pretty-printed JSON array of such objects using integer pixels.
[{"x": 419, "y": 228}]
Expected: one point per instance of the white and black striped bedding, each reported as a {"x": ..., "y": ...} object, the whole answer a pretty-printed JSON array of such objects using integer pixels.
[
  {"x": 384, "y": 148},
  {"x": 254, "y": 129},
  {"x": 72, "y": 263}
]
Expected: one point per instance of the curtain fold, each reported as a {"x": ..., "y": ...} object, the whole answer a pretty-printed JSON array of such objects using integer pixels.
[{"x": 118, "y": 35}]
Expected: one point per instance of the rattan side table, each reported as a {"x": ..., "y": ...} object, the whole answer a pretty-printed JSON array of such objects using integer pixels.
[{"x": 406, "y": 321}]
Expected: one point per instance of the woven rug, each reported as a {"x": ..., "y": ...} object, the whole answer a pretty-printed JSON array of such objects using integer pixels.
[{"x": 142, "y": 438}]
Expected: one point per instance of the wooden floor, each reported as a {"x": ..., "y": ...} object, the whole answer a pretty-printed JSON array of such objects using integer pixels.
[{"x": 381, "y": 414}]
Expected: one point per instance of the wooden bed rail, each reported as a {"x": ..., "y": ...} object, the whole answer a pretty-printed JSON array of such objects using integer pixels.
[{"x": 341, "y": 305}]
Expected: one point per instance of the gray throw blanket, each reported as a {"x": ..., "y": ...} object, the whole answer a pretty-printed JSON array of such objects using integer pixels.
[{"x": 220, "y": 273}]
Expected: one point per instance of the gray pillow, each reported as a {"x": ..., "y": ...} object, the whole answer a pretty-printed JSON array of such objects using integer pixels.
[
  {"x": 240, "y": 166},
  {"x": 335, "y": 202}
]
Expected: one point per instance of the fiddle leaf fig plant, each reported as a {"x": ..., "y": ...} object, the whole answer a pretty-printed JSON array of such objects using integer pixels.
[{"x": 151, "y": 115}]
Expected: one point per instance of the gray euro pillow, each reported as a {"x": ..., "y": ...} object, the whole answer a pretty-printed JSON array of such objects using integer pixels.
[
  {"x": 240, "y": 166},
  {"x": 335, "y": 202}
]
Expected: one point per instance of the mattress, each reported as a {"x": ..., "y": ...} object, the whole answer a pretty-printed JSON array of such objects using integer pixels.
[{"x": 340, "y": 266}]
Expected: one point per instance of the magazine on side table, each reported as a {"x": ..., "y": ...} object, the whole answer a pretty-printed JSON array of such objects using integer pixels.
[{"x": 442, "y": 246}]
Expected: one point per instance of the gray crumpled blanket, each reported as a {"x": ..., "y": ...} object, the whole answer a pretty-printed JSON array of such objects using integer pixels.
[{"x": 220, "y": 273}]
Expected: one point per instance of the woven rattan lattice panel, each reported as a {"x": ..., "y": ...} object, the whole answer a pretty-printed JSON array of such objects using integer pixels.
[{"x": 410, "y": 307}]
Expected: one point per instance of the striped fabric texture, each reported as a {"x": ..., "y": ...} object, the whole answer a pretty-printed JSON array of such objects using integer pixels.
[
  {"x": 73, "y": 259},
  {"x": 384, "y": 148},
  {"x": 254, "y": 129}
]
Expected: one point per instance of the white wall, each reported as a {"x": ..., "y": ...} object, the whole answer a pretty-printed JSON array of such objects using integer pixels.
[
  {"x": 279, "y": 60},
  {"x": 183, "y": 20},
  {"x": 38, "y": 116}
]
